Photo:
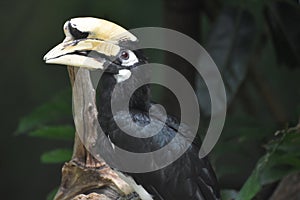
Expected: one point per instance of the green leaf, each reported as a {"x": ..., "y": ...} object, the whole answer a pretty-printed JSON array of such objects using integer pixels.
[
  {"x": 52, "y": 194},
  {"x": 60, "y": 107},
  {"x": 253, "y": 184},
  {"x": 54, "y": 132},
  {"x": 56, "y": 156},
  {"x": 292, "y": 159},
  {"x": 275, "y": 174},
  {"x": 251, "y": 187},
  {"x": 273, "y": 165}
]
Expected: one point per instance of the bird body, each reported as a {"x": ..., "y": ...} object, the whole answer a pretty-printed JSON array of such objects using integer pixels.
[
  {"x": 99, "y": 44},
  {"x": 187, "y": 178}
]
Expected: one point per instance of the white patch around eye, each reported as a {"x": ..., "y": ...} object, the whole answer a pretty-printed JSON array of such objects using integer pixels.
[
  {"x": 132, "y": 59},
  {"x": 123, "y": 75}
]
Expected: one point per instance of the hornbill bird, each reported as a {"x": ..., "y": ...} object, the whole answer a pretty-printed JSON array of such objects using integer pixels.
[{"x": 99, "y": 44}]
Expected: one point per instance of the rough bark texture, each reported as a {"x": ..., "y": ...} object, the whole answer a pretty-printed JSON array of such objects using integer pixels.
[
  {"x": 288, "y": 189},
  {"x": 85, "y": 177}
]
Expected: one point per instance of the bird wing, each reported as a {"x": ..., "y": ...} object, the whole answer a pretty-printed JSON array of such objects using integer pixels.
[{"x": 189, "y": 177}]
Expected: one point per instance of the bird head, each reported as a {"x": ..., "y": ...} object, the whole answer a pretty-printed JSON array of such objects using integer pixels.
[{"x": 97, "y": 44}]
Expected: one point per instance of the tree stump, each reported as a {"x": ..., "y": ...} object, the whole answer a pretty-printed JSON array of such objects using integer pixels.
[{"x": 85, "y": 177}]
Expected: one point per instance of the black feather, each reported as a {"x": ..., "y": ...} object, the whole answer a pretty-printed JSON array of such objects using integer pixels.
[{"x": 189, "y": 177}]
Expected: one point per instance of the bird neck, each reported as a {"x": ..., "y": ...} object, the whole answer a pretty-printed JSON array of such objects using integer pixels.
[{"x": 140, "y": 99}]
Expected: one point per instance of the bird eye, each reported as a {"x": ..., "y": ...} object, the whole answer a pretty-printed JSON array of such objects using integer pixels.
[
  {"x": 128, "y": 58},
  {"x": 124, "y": 55}
]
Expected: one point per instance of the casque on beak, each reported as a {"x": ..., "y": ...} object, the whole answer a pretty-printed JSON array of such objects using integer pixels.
[{"x": 90, "y": 43}]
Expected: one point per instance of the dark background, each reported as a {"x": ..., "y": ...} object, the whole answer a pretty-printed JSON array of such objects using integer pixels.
[{"x": 262, "y": 100}]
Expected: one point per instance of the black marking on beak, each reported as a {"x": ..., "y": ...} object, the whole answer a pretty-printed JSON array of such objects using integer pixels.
[{"x": 77, "y": 34}]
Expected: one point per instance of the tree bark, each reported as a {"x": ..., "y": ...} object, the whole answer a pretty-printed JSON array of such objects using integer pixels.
[
  {"x": 85, "y": 177},
  {"x": 288, "y": 188}
]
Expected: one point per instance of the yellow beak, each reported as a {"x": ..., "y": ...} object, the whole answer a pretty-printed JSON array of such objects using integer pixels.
[
  {"x": 83, "y": 53},
  {"x": 96, "y": 51}
]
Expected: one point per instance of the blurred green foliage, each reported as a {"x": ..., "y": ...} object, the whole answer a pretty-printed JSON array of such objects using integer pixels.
[
  {"x": 57, "y": 156},
  {"x": 46, "y": 121},
  {"x": 282, "y": 158},
  {"x": 58, "y": 108},
  {"x": 65, "y": 132},
  {"x": 51, "y": 195}
]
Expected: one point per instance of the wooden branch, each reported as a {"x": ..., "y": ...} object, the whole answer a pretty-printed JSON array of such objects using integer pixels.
[
  {"x": 85, "y": 177},
  {"x": 288, "y": 188},
  {"x": 79, "y": 151}
]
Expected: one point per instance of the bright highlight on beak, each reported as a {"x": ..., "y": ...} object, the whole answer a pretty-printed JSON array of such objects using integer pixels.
[
  {"x": 90, "y": 42},
  {"x": 79, "y": 53}
]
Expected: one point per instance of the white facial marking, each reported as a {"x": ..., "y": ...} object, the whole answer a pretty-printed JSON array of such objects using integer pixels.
[
  {"x": 130, "y": 60},
  {"x": 123, "y": 75}
]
